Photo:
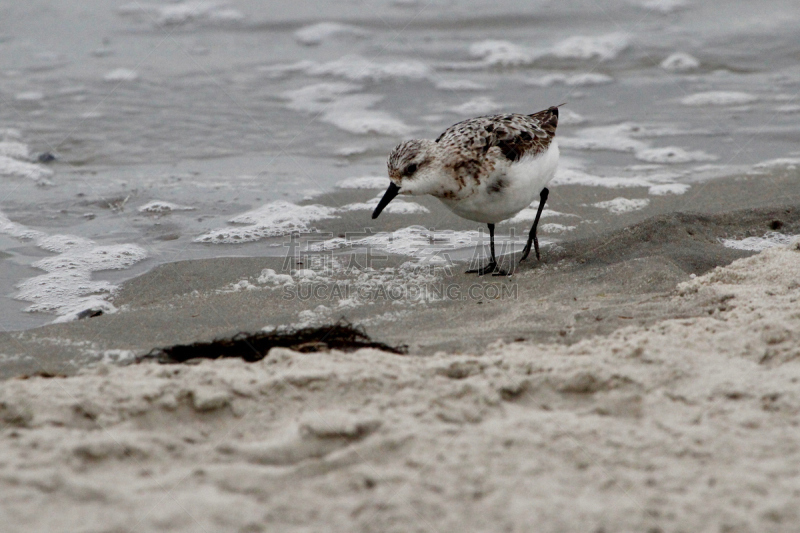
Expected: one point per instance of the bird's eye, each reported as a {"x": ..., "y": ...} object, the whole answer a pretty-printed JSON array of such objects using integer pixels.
[{"x": 410, "y": 169}]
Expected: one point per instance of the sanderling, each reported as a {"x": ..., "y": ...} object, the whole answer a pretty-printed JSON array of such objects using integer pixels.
[{"x": 486, "y": 169}]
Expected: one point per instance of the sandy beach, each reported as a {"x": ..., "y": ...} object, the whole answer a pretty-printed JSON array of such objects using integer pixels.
[
  {"x": 686, "y": 423},
  {"x": 204, "y": 330},
  {"x": 642, "y": 379}
]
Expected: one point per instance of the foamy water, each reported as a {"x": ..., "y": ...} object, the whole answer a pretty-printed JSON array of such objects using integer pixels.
[
  {"x": 187, "y": 129},
  {"x": 67, "y": 288},
  {"x": 770, "y": 239}
]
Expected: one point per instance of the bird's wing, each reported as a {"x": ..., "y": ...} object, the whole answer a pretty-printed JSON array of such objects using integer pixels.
[{"x": 515, "y": 135}]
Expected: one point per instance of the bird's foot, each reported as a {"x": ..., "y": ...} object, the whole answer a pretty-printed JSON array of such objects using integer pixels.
[
  {"x": 526, "y": 252},
  {"x": 488, "y": 269}
]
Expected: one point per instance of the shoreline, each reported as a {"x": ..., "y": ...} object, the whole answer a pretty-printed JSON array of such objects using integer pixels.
[
  {"x": 583, "y": 287},
  {"x": 572, "y": 214}
]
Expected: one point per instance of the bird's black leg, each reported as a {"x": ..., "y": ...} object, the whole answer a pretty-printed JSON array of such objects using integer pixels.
[
  {"x": 532, "y": 236},
  {"x": 492, "y": 266}
]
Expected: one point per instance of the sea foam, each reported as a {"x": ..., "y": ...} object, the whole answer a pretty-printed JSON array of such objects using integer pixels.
[
  {"x": 365, "y": 182},
  {"x": 719, "y": 98},
  {"x": 680, "y": 62},
  {"x": 315, "y": 34},
  {"x": 15, "y": 150},
  {"x": 121, "y": 74},
  {"x": 573, "y": 80},
  {"x": 270, "y": 220},
  {"x": 673, "y": 154},
  {"x": 655, "y": 184},
  {"x": 627, "y": 137},
  {"x": 355, "y": 68},
  {"x": 459, "y": 85},
  {"x": 789, "y": 163},
  {"x": 397, "y": 207},
  {"x": 160, "y": 206},
  {"x": 601, "y": 47},
  {"x": 335, "y": 104},
  {"x": 619, "y": 206},
  {"x": 771, "y": 239},
  {"x": 22, "y": 169},
  {"x": 477, "y": 106},
  {"x": 664, "y": 6},
  {"x": 67, "y": 288},
  {"x": 182, "y": 13},
  {"x": 503, "y": 53},
  {"x": 418, "y": 240}
]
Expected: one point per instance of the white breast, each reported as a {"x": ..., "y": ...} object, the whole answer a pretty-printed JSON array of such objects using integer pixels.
[{"x": 523, "y": 180}]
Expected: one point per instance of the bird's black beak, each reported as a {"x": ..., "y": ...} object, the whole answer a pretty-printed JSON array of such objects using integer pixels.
[{"x": 388, "y": 196}]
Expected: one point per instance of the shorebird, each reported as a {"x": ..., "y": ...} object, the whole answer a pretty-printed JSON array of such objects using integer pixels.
[{"x": 485, "y": 169}]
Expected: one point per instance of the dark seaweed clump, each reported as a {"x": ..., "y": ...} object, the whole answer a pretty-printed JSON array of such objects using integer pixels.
[{"x": 254, "y": 346}]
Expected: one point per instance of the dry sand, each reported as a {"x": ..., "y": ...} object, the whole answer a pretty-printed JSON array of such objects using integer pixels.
[{"x": 680, "y": 425}]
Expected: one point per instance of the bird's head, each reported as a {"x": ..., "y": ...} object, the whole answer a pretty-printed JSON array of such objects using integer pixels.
[{"x": 411, "y": 171}]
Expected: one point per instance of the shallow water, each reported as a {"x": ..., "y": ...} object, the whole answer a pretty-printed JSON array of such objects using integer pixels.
[{"x": 221, "y": 109}]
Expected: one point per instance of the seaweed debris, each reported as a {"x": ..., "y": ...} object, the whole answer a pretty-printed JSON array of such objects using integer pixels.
[{"x": 254, "y": 346}]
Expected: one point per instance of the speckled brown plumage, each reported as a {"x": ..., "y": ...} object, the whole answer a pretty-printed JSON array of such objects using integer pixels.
[
  {"x": 515, "y": 134},
  {"x": 476, "y": 146}
]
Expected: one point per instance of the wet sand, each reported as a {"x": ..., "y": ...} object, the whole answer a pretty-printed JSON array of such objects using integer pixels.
[{"x": 599, "y": 278}]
